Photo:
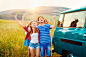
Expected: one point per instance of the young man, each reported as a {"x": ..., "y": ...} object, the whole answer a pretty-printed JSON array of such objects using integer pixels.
[{"x": 45, "y": 40}]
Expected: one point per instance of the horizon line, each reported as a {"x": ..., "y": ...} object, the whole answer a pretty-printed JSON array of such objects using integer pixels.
[{"x": 30, "y": 8}]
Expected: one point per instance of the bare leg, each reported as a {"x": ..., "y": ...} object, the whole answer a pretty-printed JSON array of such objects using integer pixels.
[
  {"x": 45, "y": 52},
  {"x": 37, "y": 52},
  {"x": 28, "y": 51},
  {"x": 32, "y": 52}
]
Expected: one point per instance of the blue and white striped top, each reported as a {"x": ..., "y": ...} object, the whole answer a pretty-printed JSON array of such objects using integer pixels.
[{"x": 44, "y": 33}]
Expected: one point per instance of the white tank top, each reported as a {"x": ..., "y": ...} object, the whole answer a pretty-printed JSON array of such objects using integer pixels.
[{"x": 34, "y": 38}]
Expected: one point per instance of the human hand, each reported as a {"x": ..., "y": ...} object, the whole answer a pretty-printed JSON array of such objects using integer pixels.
[
  {"x": 15, "y": 16},
  {"x": 54, "y": 17},
  {"x": 23, "y": 16}
]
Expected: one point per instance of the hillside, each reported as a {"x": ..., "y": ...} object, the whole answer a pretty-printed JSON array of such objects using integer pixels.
[{"x": 32, "y": 14}]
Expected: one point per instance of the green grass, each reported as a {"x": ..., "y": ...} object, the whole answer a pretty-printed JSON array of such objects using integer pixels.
[{"x": 12, "y": 38}]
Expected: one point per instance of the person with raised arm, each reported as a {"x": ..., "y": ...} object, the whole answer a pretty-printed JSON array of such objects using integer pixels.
[
  {"x": 27, "y": 41},
  {"x": 45, "y": 40},
  {"x": 33, "y": 35}
]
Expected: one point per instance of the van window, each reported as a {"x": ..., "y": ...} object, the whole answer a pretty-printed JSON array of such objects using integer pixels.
[
  {"x": 60, "y": 22},
  {"x": 75, "y": 19}
]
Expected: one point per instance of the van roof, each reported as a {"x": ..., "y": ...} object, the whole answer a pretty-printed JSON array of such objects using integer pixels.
[{"x": 74, "y": 10}]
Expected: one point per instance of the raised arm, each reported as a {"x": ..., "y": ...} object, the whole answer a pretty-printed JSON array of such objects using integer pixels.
[
  {"x": 23, "y": 16},
  {"x": 54, "y": 22},
  {"x": 18, "y": 21}
]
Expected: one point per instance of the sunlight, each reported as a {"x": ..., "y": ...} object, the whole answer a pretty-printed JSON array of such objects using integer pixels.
[
  {"x": 32, "y": 7},
  {"x": 34, "y": 3}
]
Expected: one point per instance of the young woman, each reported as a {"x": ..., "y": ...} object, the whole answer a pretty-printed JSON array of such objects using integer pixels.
[
  {"x": 46, "y": 22},
  {"x": 33, "y": 35},
  {"x": 35, "y": 39},
  {"x": 27, "y": 41}
]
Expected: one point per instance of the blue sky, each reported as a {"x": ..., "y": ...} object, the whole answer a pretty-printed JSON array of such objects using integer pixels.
[{"x": 26, "y": 4}]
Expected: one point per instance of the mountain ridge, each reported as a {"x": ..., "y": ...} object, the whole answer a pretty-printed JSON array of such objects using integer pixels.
[{"x": 32, "y": 14}]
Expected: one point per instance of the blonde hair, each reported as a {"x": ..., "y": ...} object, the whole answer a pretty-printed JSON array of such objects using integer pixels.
[{"x": 46, "y": 20}]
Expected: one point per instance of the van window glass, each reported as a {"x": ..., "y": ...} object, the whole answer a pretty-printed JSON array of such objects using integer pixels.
[
  {"x": 60, "y": 22},
  {"x": 75, "y": 19}
]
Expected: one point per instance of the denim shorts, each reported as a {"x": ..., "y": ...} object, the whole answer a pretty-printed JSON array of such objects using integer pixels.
[
  {"x": 48, "y": 49},
  {"x": 34, "y": 45}
]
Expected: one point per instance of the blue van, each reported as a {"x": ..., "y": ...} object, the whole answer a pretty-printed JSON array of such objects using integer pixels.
[{"x": 69, "y": 38}]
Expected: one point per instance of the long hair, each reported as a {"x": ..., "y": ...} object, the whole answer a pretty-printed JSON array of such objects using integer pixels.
[{"x": 29, "y": 25}]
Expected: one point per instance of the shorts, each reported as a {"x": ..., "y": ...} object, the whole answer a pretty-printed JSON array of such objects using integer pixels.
[
  {"x": 34, "y": 45},
  {"x": 27, "y": 42},
  {"x": 48, "y": 49}
]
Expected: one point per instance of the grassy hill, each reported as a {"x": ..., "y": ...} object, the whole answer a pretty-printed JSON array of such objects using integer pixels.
[{"x": 32, "y": 14}]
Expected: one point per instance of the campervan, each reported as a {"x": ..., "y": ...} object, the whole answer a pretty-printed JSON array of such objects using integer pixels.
[{"x": 69, "y": 38}]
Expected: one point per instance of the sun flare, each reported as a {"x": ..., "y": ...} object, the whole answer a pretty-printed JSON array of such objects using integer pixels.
[
  {"x": 32, "y": 7},
  {"x": 34, "y": 3}
]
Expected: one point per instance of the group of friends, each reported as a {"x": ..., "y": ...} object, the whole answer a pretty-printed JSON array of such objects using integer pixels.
[{"x": 37, "y": 36}]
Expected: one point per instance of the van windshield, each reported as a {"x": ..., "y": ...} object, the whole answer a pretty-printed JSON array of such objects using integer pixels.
[{"x": 75, "y": 19}]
